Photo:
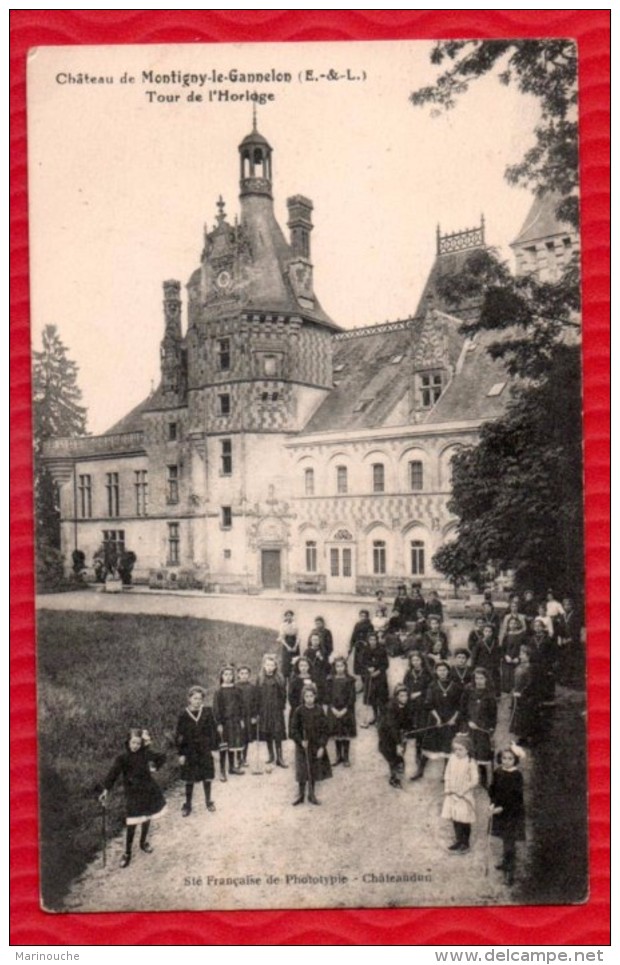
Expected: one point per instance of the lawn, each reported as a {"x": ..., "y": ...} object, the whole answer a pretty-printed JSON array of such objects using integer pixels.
[{"x": 98, "y": 675}]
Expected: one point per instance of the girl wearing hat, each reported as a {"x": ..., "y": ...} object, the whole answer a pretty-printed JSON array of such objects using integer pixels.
[
  {"x": 507, "y": 807},
  {"x": 196, "y": 740},
  {"x": 459, "y": 806},
  {"x": 310, "y": 731},
  {"x": 394, "y": 726},
  {"x": 479, "y": 714},
  {"x": 229, "y": 717},
  {"x": 144, "y": 800}
]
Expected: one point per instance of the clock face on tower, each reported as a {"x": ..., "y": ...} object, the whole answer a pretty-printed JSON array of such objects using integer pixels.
[{"x": 223, "y": 280}]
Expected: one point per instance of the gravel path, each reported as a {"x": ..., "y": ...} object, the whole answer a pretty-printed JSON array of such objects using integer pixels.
[{"x": 367, "y": 845}]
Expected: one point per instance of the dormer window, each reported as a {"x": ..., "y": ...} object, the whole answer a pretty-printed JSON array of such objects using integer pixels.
[{"x": 431, "y": 387}]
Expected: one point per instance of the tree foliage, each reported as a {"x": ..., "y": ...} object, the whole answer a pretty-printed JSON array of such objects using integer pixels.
[
  {"x": 518, "y": 492},
  {"x": 57, "y": 411},
  {"x": 545, "y": 69}
]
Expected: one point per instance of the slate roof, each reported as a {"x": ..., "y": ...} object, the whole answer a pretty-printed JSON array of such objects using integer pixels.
[
  {"x": 541, "y": 221},
  {"x": 365, "y": 373},
  {"x": 466, "y": 396},
  {"x": 445, "y": 265},
  {"x": 134, "y": 420}
]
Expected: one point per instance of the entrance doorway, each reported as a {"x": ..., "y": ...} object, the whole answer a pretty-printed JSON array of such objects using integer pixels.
[
  {"x": 340, "y": 568},
  {"x": 271, "y": 575}
]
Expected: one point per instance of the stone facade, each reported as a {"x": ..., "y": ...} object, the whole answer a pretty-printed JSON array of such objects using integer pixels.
[{"x": 278, "y": 450}]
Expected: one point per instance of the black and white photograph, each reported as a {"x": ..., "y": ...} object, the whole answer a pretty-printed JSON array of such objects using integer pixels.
[{"x": 307, "y": 423}]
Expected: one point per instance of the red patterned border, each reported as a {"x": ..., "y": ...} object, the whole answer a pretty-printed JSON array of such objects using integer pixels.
[{"x": 583, "y": 925}]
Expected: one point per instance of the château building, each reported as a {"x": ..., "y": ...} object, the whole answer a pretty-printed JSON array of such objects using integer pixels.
[{"x": 280, "y": 450}]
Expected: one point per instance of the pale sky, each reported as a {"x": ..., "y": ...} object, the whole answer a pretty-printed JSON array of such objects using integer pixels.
[{"x": 120, "y": 188}]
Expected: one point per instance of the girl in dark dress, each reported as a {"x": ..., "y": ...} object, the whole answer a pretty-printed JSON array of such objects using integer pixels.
[
  {"x": 475, "y": 634},
  {"x": 340, "y": 703},
  {"x": 488, "y": 655},
  {"x": 479, "y": 716},
  {"x": 144, "y": 800},
  {"x": 229, "y": 718},
  {"x": 374, "y": 676},
  {"x": 523, "y": 714},
  {"x": 310, "y": 731},
  {"x": 542, "y": 659},
  {"x": 417, "y": 680},
  {"x": 249, "y": 703},
  {"x": 271, "y": 703},
  {"x": 394, "y": 726},
  {"x": 443, "y": 699},
  {"x": 513, "y": 639},
  {"x": 196, "y": 740},
  {"x": 319, "y": 665},
  {"x": 435, "y": 642},
  {"x": 508, "y": 809},
  {"x": 358, "y": 640},
  {"x": 460, "y": 672},
  {"x": 300, "y": 677}
]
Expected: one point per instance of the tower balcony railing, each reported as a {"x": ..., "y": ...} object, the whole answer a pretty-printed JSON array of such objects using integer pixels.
[{"x": 114, "y": 443}]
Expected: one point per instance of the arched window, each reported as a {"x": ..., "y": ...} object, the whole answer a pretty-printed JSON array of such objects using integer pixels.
[
  {"x": 309, "y": 482},
  {"x": 378, "y": 477},
  {"x": 416, "y": 475},
  {"x": 378, "y": 557},
  {"x": 342, "y": 480},
  {"x": 417, "y": 557},
  {"x": 311, "y": 563}
]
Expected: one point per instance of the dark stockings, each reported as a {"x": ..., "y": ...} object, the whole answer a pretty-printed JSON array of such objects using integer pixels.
[
  {"x": 131, "y": 833},
  {"x": 462, "y": 833}
]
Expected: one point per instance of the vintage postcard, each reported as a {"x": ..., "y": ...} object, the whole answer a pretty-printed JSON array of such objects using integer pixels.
[{"x": 308, "y": 478}]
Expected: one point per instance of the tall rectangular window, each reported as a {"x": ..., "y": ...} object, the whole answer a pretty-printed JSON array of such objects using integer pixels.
[
  {"x": 311, "y": 556},
  {"x": 226, "y": 457},
  {"x": 142, "y": 491},
  {"x": 226, "y": 517},
  {"x": 223, "y": 350},
  {"x": 172, "y": 432},
  {"x": 309, "y": 482},
  {"x": 174, "y": 544},
  {"x": 347, "y": 561},
  {"x": 378, "y": 477},
  {"x": 417, "y": 557},
  {"x": 431, "y": 384},
  {"x": 416, "y": 475},
  {"x": 111, "y": 485},
  {"x": 334, "y": 562},
  {"x": 172, "y": 485},
  {"x": 86, "y": 496},
  {"x": 342, "y": 481},
  {"x": 378, "y": 557},
  {"x": 224, "y": 401}
]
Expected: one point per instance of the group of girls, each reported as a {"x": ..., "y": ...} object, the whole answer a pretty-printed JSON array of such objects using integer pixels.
[{"x": 446, "y": 703}]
